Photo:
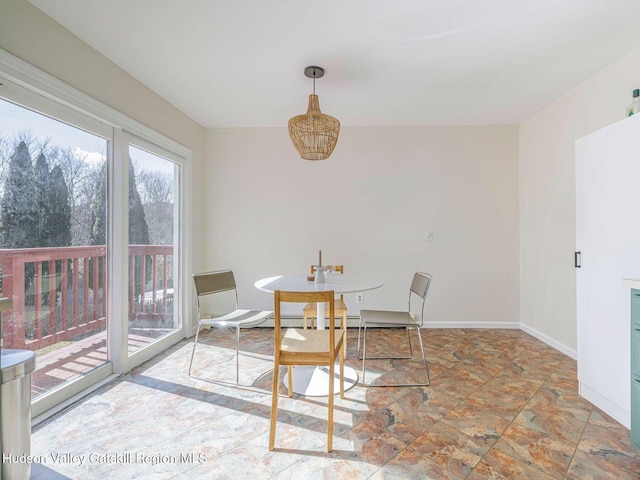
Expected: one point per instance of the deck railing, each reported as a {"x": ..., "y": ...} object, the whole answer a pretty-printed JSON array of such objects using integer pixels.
[{"x": 60, "y": 293}]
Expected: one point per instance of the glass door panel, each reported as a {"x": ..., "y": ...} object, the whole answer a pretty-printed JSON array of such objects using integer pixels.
[
  {"x": 153, "y": 248},
  {"x": 53, "y": 266}
]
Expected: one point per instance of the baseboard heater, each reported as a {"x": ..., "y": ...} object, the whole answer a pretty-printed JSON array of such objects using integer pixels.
[{"x": 295, "y": 321}]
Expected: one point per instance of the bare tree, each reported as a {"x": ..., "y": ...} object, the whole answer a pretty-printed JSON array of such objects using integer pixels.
[
  {"x": 155, "y": 187},
  {"x": 81, "y": 179},
  {"x": 6, "y": 150},
  {"x": 157, "y": 194}
]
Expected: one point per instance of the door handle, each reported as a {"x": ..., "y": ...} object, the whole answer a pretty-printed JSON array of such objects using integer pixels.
[{"x": 577, "y": 259}]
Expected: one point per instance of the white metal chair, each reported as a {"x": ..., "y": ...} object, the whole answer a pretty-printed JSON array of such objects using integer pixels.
[
  {"x": 211, "y": 283},
  {"x": 397, "y": 319}
]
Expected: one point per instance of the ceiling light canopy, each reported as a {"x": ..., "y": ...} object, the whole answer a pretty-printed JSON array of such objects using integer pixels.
[{"x": 314, "y": 134}]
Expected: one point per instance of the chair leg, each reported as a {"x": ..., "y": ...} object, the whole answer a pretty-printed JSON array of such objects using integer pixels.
[
  {"x": 195, "y": 342},
  {"x": 330, "y": 406},
  {"x": 237, "y": 354},
  {"x": 274, "y": 406},
  {"x": 364, "y": 357},
  {"x": 424, "y": 358},
  {"x": 364, "y": 352},
  {"x": 344, "y": 323},
  {"x": 342, "y": 357},
  {"x": 358, "y": 347},
  {"x": 409, "y": 340},
  {"x": 290, "y": 381},
  {"x": 304, "y": 319}
]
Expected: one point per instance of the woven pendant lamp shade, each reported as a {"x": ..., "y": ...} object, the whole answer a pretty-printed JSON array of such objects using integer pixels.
[{"x": 314, "y": 134}]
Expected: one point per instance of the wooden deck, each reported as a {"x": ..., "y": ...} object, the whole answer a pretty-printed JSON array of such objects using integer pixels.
[{"x": 72, "y": 361}]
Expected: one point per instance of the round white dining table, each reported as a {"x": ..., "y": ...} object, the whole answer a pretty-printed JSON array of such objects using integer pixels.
[{"x": 314, "y": 381}]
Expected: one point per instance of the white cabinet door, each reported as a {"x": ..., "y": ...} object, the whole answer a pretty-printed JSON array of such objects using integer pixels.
[{"x": 608, "y": 237}]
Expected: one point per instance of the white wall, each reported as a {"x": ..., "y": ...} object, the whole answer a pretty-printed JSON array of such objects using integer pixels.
[
  {"x": 383, "y": 187},
  {"x": 368, "y": 206},
  {"x": 547, "y": 195}
]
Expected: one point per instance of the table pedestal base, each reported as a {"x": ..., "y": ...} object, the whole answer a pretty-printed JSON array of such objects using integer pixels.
[{"x": 314, "y": 381}]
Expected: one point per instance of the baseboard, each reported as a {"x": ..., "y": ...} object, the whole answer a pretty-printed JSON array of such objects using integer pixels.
[
  {"x": 549, "y": 341},
  {"x": 294, "y": 321},
  {"x": 613, "y": 409},
  {"x": 353, "y": 322},
  {"x": 493, "y": 325}
]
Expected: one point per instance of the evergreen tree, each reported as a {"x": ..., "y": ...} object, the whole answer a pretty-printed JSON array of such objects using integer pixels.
[
  {"x": 41, "y": 194},
  {"x": 138, "y": 228},
  {"x": 98, "y": 234},
  {"x": 58, "y": 221},
  {"x": 18, "y": 207},
  {"x": 52, "y": 201},
  {"x": 138, "y": 231},
  {"x": 98, "y": 210},
  {"x": 81, "y": 178}
]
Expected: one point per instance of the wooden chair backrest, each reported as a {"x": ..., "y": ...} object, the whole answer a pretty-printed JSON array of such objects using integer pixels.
[
  {"x": 336, "y": 268},
  {"x": 281, "y": 296}
]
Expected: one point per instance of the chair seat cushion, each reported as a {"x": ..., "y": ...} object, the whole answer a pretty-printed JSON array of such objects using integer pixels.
[
  {"x": 339, "y": 306},
  {"x": 238, "y": 317},
  {"x": 387, "y": 318},
  {"x": 300, "y": 341}
]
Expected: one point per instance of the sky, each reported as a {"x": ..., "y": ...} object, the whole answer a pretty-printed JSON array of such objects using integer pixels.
[{"x": 15, "y": 119}]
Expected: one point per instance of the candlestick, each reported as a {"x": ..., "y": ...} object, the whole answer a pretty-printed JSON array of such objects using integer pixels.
[{"x": 320, "y": 258}]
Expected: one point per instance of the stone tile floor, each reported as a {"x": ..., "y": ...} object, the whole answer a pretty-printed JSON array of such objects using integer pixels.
[{"x": 501, "y": 405}]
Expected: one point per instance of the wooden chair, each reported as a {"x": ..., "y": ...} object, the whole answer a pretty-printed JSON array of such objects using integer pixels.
[
  {"x": 211, "y": 283},
  {"x": 310, "y": 310},
  {"x": 409, "y": 319},
  {"x": 306, "y": 347}
]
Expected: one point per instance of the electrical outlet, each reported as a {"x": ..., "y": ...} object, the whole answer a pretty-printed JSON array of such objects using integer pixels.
[{"x": 359, "y": 297}]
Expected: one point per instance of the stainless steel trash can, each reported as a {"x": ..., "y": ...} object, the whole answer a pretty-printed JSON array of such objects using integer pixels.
[{"x": 15, "y": 402}]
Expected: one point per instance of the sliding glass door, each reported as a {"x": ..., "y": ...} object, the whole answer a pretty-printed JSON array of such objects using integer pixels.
[
  {"x": 90, "y": 241},
  {"x": 153, "y": 242},
  {"x": 52, "y": 262}
]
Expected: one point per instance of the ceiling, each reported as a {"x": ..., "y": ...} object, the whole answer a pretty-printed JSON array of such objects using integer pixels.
[{"x": 240, "y": 63}]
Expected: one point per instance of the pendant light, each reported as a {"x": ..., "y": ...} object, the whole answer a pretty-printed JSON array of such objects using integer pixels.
[{"x": 314, "y": 134}]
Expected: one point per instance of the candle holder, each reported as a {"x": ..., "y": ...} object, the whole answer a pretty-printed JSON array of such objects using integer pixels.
[{"x": 319, "y": 278}]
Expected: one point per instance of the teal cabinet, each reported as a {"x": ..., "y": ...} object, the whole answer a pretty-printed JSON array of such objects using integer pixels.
[
  {"x": 635, "y": 367},
  {"x": 635, "y": 418}
]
